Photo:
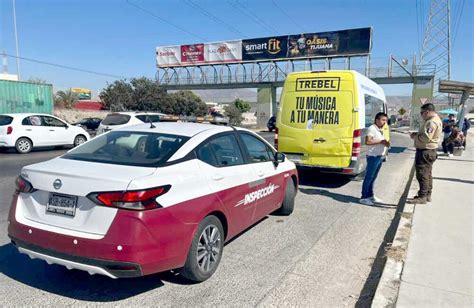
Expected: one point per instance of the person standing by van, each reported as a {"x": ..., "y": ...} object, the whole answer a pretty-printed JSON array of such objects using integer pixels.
[
  {"x": 377, "y": 149},
  {"x": 426, "y": 144}
]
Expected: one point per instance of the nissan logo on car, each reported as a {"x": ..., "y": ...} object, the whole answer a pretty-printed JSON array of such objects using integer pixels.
[{"x": 57, "y": 184}]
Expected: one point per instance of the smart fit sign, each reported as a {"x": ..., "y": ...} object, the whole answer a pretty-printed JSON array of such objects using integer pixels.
[{"x": 298, "y": 46}]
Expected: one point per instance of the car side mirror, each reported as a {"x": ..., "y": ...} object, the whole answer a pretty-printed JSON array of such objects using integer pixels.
[{"x": 279, "y": 157}]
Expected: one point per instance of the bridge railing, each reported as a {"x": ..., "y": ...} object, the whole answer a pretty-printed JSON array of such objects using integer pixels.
[{"x": 276, "y": 71}]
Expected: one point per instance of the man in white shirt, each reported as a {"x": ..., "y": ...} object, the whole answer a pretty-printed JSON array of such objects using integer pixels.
[{"x": 377, "y": 149}]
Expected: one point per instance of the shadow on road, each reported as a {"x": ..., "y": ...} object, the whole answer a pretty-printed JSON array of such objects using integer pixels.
[
  {"x": 454, "y": 180},
  {"x": 397, "y": 150},
  {"x": 342, "y": 198},
  {"x": 74, "y": 283},
  {"x": 320, "y": 179}
]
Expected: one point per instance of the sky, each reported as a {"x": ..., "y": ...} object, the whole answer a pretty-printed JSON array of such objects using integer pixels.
[{"x": 116, "y": 38}]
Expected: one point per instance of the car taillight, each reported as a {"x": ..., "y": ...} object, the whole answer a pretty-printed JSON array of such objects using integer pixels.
[
  {"x": 131, "y": 200},
  {"x": 23, "y": 185},
  {"x": 9, "y": 130},
  {"x": 276, "y": 138},
  {"x": 356, "y": 143}
]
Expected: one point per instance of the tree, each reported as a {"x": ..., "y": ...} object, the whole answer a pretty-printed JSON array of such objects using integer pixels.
[
  {"x": 187, "y": 103},
  {"x": 242, "y": 105},
  {"x": 66, "y": 98},
  {"x": 148, "y": 95},
  {"x": 402, "y": 111},
  {"x": 117, "y": 96},
  {"x": 234, "y": 114}
]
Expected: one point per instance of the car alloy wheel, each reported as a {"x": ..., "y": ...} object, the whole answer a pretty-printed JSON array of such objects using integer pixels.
[
  {"x": 79, "y": 140},
  {"x": 208, "y": 248},
  {"x": 23, "y": 145}
]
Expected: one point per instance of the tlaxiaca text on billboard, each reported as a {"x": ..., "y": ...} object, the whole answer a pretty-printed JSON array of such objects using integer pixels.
[{"x": 350, "y": 42}]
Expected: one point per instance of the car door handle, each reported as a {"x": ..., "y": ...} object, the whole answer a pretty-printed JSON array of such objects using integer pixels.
[
  {"x": 28, "y": 129},
  {"x": 217, "y": 177},
  {"x": 319, "y": 140},
  {"x": 260, "y": 174},
  {"x": 52, "y": 130}
]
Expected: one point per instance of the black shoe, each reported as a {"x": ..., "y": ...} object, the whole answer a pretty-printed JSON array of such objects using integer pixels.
[
  {"x": 428, "y": 199},
  {"x": 417, "y": 200}
]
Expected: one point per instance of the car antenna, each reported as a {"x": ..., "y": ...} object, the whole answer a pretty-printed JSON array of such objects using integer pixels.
[{"x": 151, "y": 123}]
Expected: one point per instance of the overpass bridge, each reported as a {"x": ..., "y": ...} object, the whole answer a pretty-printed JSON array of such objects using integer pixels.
[{"x": 267, "y": 76}]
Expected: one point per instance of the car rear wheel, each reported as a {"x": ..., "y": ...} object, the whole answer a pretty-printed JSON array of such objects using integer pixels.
[
  {"x": 289, "y": 202},
  {"x": 206, "y": 250},
  {"x": 23, "y": 145},
  {"x": 80, "y": 139}
]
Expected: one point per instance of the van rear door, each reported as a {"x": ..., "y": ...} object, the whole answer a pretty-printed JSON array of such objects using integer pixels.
[{"x": 317, "y": 118}]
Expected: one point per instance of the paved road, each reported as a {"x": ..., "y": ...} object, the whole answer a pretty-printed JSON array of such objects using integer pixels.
[{"x": 321, "y": 255}]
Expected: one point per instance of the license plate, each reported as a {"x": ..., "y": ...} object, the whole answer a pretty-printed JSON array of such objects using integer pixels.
[{"x": 61, "y": 204}]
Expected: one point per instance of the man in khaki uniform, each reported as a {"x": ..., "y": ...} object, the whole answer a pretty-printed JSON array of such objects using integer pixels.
[{"x": 426, "y": 144}]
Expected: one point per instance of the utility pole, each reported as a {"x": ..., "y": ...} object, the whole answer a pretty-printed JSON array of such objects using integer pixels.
[
  {"x": 436, "y": 49},
  {"x": 16, "y": 41}
]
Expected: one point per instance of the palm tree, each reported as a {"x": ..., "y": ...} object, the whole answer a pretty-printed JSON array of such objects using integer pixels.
[{"x": 67, "y": 98}]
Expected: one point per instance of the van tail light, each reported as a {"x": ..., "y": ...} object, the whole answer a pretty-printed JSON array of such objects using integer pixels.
[
  {"x": 276, "y": 138},
  {"x": 9, "y": 130},
  {"x": 23, "y": 185},
  {"x": 356, "y": 143},
  {"x": 138, "y": 200}
]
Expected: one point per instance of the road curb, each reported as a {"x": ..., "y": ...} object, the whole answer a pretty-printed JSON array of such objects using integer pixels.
[{"x": 387, "y": 289}]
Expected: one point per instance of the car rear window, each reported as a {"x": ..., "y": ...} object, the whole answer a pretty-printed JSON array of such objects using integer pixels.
[
  {"x": 147, "y": 118},
  {"x": 116, "y": 119},
  {"x": 5, "y": 120},
  {"x": 129, "y": 148}
]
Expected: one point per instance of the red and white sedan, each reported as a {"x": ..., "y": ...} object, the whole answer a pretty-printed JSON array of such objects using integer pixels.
[{"x": 150, "y": 198}]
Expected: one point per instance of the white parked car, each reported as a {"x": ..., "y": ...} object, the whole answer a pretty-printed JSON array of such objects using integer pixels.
[
  {"x": 24, "y": 131},
  {"x": 121, "y": 119},
  {"x": 150, "y": 198}
]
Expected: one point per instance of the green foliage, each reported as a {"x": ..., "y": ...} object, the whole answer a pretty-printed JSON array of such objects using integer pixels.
[
  {"x": 117, "y": 96},
  {"x": 144, "y": 94},
  {"x": 65, "y": 98},
  {"x": 187, "y": 103},
  {"x": 234, "y": 114},
  {"x": 242, "y": 105}
]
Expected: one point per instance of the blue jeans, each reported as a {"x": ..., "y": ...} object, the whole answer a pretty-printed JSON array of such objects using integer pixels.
[{"x": 374, "y": 163}]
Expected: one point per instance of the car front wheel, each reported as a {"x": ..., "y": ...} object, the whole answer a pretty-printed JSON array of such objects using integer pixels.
[
  {"x": 23, "y": 145},
  {"x": 206, "y": 250}
]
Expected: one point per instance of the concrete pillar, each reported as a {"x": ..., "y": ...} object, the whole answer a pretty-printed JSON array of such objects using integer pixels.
[
  {"x": 422, "y": 94},
  {"x": 266, "y": 105}
]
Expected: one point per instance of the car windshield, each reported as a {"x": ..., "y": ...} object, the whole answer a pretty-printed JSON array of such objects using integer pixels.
[
  {"x": 129, "y": 148},
  {"x": 5, "y": 120},
  {"x": 116, "y": 119}
]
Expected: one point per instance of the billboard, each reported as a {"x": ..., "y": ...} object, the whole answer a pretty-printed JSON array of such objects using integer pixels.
[
  {"x": 265, "y": 48},
  {"x": 192, "y": 54},
  {"x": 326, "y": 44},
  {"x": 305, "y": 45},
  {"x": 168, "y": 56},
  {"x": 82, "y": 93},
  {"x": 221, "y": 52}
]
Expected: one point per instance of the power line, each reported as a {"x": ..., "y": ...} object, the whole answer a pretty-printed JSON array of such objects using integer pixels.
[
  {"x": 458, "y": 21},
  {"x": 289, "y": 17},
  {"x": 212, "y": 17},
  {"x": 165, "y": 20},
  {"x": 239, "y": 6},
  {"x": 66, "y": 67}
]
